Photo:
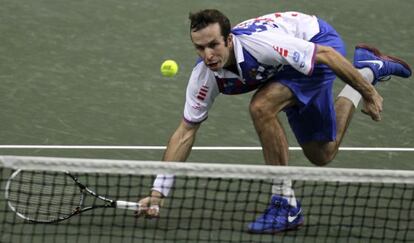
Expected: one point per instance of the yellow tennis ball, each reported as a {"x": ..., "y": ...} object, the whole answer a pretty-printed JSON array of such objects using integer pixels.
[{"x": 169, "y": 68}]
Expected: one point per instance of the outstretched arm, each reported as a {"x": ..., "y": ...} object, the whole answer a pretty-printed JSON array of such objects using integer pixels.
[
  {"x": 181, "y": 142},
  {"x": 178, "y": 149},
  {"x": 346, "y": 71}
]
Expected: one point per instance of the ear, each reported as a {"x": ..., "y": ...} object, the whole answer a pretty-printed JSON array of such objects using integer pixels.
[{"x": 230, "y": 40}]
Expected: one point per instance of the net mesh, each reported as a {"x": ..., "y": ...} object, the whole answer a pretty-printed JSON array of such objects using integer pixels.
[
  {"x": 214, "y": 203},
  {"x": 51, "y": 194}
]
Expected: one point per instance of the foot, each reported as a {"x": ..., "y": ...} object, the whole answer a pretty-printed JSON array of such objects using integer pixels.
[
  {"x": 382, "y": 65},
  {"x": 278, "y": 217}
]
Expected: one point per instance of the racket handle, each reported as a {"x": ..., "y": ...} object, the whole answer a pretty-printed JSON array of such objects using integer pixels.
[{"x": 128, "y": 205}]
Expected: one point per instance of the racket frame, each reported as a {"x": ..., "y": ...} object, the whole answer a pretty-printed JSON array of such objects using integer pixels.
[{"x": 108, "y": 203}]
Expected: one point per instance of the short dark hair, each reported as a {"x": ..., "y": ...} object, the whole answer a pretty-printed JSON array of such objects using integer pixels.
[{"x": 203, "y": 18}]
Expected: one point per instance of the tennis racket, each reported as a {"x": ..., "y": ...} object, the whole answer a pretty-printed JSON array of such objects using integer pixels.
[{"x": 50, "y": 197}]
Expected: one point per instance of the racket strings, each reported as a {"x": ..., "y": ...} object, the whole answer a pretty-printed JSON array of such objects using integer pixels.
[{"x": 44, "y": 196}]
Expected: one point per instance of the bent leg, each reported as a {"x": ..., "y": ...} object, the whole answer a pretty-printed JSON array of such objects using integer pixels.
[
  {"x": 266, "y": 103},
  {"x": 322, "y": 152}
]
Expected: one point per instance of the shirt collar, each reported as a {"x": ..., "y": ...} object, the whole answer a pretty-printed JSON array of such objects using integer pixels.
[
  {"x": 238, "y": 54},
  {"x": 238, "y": 50}
]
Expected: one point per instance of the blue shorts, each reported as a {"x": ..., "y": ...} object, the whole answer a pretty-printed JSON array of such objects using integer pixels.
[{"x": 314, "y": 118}]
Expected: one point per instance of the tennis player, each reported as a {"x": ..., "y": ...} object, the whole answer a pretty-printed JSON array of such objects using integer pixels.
[{"x": 291, "y": 60}]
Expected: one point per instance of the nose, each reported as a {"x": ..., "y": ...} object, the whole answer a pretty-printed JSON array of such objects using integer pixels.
[{"x": 208, "y": 53}]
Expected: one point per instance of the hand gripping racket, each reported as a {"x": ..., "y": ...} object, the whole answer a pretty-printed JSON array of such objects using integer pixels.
[{"x": 50, "y": 197}]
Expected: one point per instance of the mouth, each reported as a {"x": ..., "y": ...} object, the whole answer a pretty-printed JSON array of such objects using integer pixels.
[{"x": 212, "y": 65}]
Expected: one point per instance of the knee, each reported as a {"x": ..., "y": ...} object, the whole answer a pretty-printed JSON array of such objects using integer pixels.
[
  {"x": 269, "y": 100},
  {"x": 262, "y": 109},
  {"x": 321, "y": 160},
  {"x": 321, "y": 157},
  {"x": 258, "y": 109}
]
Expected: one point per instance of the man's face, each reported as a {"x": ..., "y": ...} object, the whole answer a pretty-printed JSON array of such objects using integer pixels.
[{"x": 211, "y": 47}]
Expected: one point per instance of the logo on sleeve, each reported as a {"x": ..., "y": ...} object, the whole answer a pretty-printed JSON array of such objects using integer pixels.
[
  {"x": 282, "y": 51},
  {"x": 202, "y": 93},
  {"x": 296, "y": 56},
  {"x": 197, "y": 106}
]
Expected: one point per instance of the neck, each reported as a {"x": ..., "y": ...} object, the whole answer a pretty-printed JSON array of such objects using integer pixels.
[
  {"x": 233, "y": 68},
  {"x": 231, "y": 63}
]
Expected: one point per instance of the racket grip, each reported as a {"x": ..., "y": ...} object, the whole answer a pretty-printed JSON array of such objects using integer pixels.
[{"x": 128, "y": 205}]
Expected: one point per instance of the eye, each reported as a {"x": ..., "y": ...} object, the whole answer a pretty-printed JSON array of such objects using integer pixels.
[
  {"x": 213, "y": 45},
  {"x": 199, "y": 48}
]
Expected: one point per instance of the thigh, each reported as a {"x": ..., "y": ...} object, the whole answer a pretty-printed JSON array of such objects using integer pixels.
[
  {"x": 316, "y": 121},
  {"x": 273, "y": 96}
]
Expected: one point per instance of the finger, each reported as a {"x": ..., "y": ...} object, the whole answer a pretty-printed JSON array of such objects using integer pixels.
[
  {"x": 380, "y": 108},
  {"x": 153, "y": 211},
  {"x": 374, "y": 116},
  {"x": 145, "y": 201},
  {"x": 365, "y": 112},
  {"x": 140, "y": 212}
]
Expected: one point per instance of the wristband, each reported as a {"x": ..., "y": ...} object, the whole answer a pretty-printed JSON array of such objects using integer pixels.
[{"x": 163, "y": 184}]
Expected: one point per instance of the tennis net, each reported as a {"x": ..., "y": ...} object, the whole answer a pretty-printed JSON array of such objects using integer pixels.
[{"x": 210, "y": 202}]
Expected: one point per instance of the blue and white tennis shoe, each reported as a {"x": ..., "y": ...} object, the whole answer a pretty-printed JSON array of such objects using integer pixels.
[
  {"x": 278, "y": 217},
  {"x": 382, "y": 65}
]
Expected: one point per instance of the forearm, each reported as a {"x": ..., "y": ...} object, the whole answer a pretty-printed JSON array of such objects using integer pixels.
[
  {"x": 178, "y": 149},
  {"x": 344, "y": 70},
  {"x": 179, "y": 146}
]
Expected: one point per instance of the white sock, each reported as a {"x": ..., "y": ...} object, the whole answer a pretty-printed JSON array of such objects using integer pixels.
[
  {"x": 284, "y": 189},
  {"x": 353, "y": 95},
  {"x": 367, "y": 74}
]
